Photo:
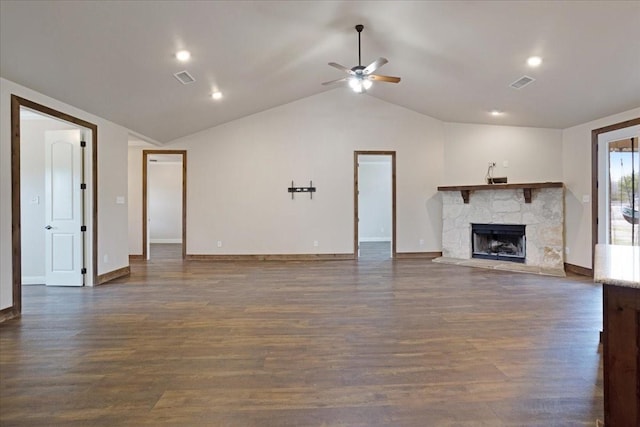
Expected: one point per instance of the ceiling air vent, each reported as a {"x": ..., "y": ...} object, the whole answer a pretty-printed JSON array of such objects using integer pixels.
[
  {"x": 184, "y": 77},
  {"x": 522, "y": 82}
]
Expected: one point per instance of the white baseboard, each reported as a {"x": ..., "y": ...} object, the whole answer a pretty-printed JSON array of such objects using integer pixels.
[
  {"x": 165, "y": 240},
  {"x": 375, "y": 239},
  {"x": 33, "y": 280}
]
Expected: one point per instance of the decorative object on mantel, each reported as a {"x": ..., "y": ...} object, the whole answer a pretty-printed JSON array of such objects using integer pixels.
[
  {"x": 497, "y": 180},
  {"x": 494, "y": 180},
  {"x": 310, "y": 189},
  {"x": 465, "y": 190}
]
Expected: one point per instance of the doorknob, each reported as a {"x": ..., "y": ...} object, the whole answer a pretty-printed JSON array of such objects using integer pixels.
[{"x": 48, "y": 227}]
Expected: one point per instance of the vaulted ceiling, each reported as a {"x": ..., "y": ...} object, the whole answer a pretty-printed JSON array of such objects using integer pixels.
[{"x": 457, "y": 59}]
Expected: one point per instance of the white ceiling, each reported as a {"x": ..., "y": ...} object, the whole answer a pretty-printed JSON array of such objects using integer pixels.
[{"x": 456, "y": 58}]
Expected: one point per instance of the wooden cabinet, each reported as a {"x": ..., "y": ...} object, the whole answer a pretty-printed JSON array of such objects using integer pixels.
[
  {"x": 621, "y": 356},
  {"x": 618, "y": 269}
]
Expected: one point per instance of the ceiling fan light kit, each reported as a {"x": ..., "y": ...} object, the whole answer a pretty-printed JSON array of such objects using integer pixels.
[{"x": 361, "y": 78}]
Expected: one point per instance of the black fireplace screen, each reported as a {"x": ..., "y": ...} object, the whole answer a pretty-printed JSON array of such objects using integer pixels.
[{"x": 506, "y": 242}]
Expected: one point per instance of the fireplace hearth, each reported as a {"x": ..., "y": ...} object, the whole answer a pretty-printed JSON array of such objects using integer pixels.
[{"x": 504, "y": 242}]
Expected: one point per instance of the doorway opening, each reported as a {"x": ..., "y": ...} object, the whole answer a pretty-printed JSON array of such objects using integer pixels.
[
  {"x": 615, "y": 182},
  {"x": 374, "y": 205},
  {"x": 164, "y": 204},
  {"x": 59, "y": 227},
  {"x": 51, "y": 200}
]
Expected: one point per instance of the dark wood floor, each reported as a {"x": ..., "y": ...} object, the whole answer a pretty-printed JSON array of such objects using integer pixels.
[
  {"x": 342, "y": 343},
  {"x": 375, "y": 251}
]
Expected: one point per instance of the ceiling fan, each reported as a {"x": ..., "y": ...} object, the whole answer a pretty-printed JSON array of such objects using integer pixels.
[{"x": 361, "y": 78}]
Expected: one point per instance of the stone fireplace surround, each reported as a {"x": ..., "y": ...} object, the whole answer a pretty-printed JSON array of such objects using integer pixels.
[{"x": 539, "y": 206}]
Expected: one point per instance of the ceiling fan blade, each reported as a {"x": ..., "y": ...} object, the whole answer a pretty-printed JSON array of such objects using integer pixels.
[
  {"x": 375, "y": 65},
  {"x": 341, "y": 68},
  {"x": 378, "y": 78},
  {"x": 344, "y": 79}
]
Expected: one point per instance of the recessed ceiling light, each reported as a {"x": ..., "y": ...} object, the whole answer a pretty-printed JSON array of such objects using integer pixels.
[
  {"x": 496, "y": 113},
  {"x": 216, "y": 95},
  {"x": 183, "y": 55},
  {"x": 534, "y": 61}
]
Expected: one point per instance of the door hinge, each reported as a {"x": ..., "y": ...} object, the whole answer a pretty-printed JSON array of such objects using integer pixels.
[
  {"x": 83, "y": 186},
  {"x": 83, "y": 228},
  {"x": 83, "y": 271},
  {"x": 83, "y": 144}
]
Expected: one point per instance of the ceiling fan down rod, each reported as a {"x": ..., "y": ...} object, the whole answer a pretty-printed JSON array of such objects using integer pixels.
[{"x": 359, "y": 29}]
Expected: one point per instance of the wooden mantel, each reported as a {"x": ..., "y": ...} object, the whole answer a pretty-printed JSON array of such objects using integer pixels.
[{"x": 465, "y": 190}]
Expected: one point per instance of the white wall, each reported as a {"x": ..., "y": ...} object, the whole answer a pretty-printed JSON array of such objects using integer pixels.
[
  {"x": 164, "y": 192},
  {"x": 135, "y": 200},
  {"x": 238, "y": 174},
  {"x": 374, "y": 185},
  {"x": 533, "y": 154},
  {"x": 112, "y": 179},
  {"x": 32, "y": 195},
  {"x": 576, "y": 166}
]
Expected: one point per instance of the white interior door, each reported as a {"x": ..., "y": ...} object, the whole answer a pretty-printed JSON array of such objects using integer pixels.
[{"x": 63, "y": 206}]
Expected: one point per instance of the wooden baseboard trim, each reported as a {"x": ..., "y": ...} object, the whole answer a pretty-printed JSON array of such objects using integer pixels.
[
  {"x": 576, "y": 269},
  {"x": 418, "y": 255},
  {"x": 272, "y": 257},
  {"x": 136, "y": 257},
  {"x": 112, "y": 275},
  {"x": 8, "y": 313}
]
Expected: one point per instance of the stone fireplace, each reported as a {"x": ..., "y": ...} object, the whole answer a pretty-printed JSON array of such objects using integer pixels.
[{"x": 536, "y": 211}]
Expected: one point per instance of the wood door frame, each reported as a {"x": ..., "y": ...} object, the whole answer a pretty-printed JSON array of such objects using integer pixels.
[
  {"x": 355, "y": 198},
  {"x": 145, "y": 157},
  {"x": 594, "y": 177},
  {"x": 16, "y": 235}
]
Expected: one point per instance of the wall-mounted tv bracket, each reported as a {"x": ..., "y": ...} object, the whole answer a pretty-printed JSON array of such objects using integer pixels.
[{"x": 310, "y": 189}]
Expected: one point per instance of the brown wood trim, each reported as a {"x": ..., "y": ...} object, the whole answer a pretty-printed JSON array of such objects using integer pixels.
[
  {"x": 418, "y": 255},
  {"x": 594, "y": 177},
  {"x": 501, "y": 186},
  {"x": 526, "y": 188},
  {"x": 136, "y": 257},
  {"x": 272, "y": 257},
  {"x": 8, "y": 314},
  {"x": 355, "y": 198},
  {"x": 112, "y": 275},
  {"x": 145, "y": 155},
  {"x": 576, "y": 269},
  {"x": 16, "y": 237},
  {"x": 16, "y": 103}
]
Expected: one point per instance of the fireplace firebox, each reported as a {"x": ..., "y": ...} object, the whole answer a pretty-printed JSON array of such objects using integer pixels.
[{"x": 505, "y": 242}]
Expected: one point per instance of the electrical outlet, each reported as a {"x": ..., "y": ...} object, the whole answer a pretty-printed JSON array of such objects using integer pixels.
[
  {"x": 567, "y": 251},
  {"x": 105, "y": 259},
  {"x": 492, "y": 164},
  {"x": 219, "y": 243},
  {"x": 421, "y": 242},
  {"x": 315, "y": 243},
  {"x": 505, "y": 163}
]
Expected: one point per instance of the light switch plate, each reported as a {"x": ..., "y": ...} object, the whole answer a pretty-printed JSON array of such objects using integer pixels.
[
  {"x": 586, "y": 198},
  {"x": 120, "y": 200}
]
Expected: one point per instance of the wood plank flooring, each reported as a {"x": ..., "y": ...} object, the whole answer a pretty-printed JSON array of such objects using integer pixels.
[
  {"x": 338, "y": 343},
  {"x": 370, "y": 251}
]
